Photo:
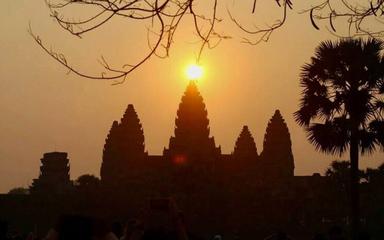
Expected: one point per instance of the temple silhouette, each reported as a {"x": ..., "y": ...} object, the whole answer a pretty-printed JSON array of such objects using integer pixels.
[
  {"x": 245, "y": 193},
  {"x": 54, "y": 174},
  {"x": 191, "y": 162},
  {"x": 192, "y": 158}
]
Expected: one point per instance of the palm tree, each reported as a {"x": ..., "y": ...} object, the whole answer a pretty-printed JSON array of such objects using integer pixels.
[{"x": 342, "y": 104}]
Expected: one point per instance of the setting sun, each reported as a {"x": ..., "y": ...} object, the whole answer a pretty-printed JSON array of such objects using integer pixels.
[{"x": 194, "y": 72}]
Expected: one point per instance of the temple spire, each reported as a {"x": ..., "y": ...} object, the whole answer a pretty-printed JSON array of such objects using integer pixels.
[
  {"x": 110, "y": 154},
  {"x": 192, "y": 116},
  {"x": 191, "y": 139},
  {"x": 131, "y": 132},
  {"x": 277, "y": 153},
  {"x": 124, "y": 149},
  {"x": 245, "y": 146}
]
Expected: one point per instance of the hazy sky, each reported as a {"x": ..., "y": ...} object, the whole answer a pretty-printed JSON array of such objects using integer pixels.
[{"x": 43, "y": 109}]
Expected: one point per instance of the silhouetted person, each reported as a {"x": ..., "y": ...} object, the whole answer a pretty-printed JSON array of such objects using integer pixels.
[
  {"x": 130, "y": 227},
  {"x": 159, "y": 234},
  {"x": 3, "y": 230},
  {"x": 278, "y": 236},
  {"x": 364, "y": 236},
  {"x": 117, "y": 229},
  {"x": 319, "y": 236},
  {"x": 162, "y": 221},
  {"x": 217, "y": 237},
  {"x": 336, "y": 233},
  {"x": 32, "y": 236},
  {"x": 73, "y": 227}
]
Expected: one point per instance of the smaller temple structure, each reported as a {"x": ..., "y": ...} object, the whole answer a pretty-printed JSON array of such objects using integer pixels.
[
  {"x": 54, "y": 174},
  {"x": 124, "y": 154},
  {"x": 277, "y": 158},
  {"x": 245, "y": 151}
]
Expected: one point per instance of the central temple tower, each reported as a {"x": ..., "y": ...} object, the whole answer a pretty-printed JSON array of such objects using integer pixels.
[{"x": 191, "y": 147}]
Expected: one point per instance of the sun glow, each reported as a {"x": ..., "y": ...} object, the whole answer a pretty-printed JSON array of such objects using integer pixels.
[{"x": 194, "y": 72}]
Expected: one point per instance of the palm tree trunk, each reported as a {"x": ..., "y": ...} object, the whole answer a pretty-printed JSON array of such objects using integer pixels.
[{"x": 354, "y": 188}]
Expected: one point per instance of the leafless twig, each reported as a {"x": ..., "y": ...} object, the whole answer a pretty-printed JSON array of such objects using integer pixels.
[
  {"x": 166, "y": 15},
  {"x": 359, "y": 16}
]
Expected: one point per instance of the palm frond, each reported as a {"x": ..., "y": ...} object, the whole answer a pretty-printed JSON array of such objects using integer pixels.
[
  {"x": 330, "y": 137},
  {"x": 368, "y": 141},
  {"x": 377, "y": 128}
]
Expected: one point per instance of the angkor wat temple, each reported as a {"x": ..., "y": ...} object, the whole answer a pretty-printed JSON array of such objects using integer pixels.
[
  {"x": 246, "y": 193},
  {"x": 192, "y": 158}
]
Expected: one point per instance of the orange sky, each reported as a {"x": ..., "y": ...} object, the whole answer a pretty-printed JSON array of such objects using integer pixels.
[{"x": 44, "y": 109}]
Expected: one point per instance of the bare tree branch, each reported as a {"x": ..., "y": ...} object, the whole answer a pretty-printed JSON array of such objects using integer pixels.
[
  {"x": 263, "y": 34},
  {"x": 358, "y": 15},
  {"x": 166, "y": 16}
]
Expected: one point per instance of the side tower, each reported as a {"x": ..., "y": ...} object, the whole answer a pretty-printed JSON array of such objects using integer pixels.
[
  {"x": 191, "y": 147},
  {"x": 277, "y": 158},
  {"x": 243, "y": 165},
  {"x": 54, "y": 174},
  {"x": 245, "y": 148},
  {"x": 124, "y": 150}
]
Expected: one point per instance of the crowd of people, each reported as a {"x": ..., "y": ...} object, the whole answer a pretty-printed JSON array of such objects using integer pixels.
[
  {"x": 76, "y": 227},
  {"x": 161, "y": 221}
]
